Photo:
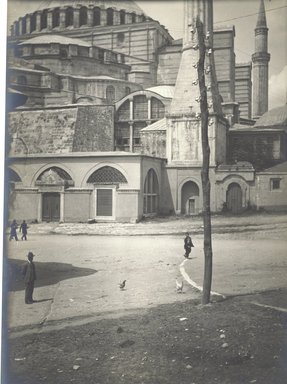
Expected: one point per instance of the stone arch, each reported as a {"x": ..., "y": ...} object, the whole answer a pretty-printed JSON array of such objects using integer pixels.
[
  {"x": 54, "y": 176},
  {"x": 241, "y": 182},
  {"x": 69, "y": 17},
  {"x": 189, "y": 201},
  {"x": 61, "y": 170},
  {"x": 83, "y": 16},
  {"x": 151, "y": 193},
  {"x": 56, "y": 18},
  {"x": 110, "y": 16}
]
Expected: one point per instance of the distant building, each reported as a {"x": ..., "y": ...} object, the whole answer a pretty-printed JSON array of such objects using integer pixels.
[{"x": 103, "y": 117}]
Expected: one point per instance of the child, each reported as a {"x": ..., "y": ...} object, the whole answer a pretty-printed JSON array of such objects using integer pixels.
[{"x": 187, "y": 245}]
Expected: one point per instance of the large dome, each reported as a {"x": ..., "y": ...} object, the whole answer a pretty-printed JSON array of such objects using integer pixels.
[
  {"x": 276, "y": 117},
  {"x": 127, "y": 5}
]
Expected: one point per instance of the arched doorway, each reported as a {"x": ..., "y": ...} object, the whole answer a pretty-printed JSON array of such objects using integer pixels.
[
  {"x": 52, "y": 183},
  {"x": 234, "y": 198},
  {"x": 190, "y": 198},
  {"x": 151, "y": 193}
]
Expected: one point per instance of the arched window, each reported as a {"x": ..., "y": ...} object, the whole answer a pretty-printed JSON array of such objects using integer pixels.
[
  {"x": 17, "y": 28},
  {"x": 22, "y": 80},
  {"x": 122, "y": 17},
  {"x": 110, "y": 94},
  {"x": 140, "y": 106},
  {"x": 110, "y": 16},
  {"x": 69, "y": 17},
  {"x": 107, "y": 175},
  {"x": 133, "y": 17},
  {"x": 56, "y": 18},
  {"x": 24, "y": 27},
  {"x": 44, "y": 16},
  {"x": 33, "y": 22},
  {"x": 54, "y": 176},
  {"x": 83, "y": 16},
  {"x": 151, "y": 193},
  {"x": 157, "y": 109},
  {"x": 97, "y": 16}
]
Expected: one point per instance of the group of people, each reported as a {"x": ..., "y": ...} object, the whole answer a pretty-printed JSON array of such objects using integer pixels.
[{"x": 13, "y": 230}]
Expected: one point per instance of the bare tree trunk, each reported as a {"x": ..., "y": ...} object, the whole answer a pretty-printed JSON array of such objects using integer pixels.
[{"x": 205, "y": 167}]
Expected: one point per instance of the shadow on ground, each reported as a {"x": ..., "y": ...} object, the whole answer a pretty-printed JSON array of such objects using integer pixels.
[{"x": 47, "y": 273}]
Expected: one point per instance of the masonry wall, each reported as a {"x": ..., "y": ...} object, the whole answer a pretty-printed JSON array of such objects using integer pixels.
[
  {"x": 23, "y": 205},
  {"x": 153, "y": 143},
  {"x": 94, "y": 129},
  {"x": 77, "y": 206},
  {"x": 266, "y": 197}
]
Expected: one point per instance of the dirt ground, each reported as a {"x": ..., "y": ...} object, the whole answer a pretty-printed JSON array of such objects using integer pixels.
[{"x": 239, "y": 340}]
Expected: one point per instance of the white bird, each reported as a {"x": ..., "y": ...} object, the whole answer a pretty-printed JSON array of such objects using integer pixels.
[
  {"x": 179, "y": 286},
  {"x": 122, "y": 285}
]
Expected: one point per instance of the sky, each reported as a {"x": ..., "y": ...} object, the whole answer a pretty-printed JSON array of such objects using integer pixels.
[{"x": 240, "y": 13}]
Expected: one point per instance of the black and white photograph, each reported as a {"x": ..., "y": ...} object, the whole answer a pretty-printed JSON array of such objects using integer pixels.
[{"x": 144, "y": 192}]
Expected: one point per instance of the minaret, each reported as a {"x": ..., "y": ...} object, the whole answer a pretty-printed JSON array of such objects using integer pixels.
[
  {"x": 184, "y": 146},
  {"x": 260, "y": 60}
]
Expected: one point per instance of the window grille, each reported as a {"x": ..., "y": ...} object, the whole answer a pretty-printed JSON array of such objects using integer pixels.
[{"x": 107, "y": 175}]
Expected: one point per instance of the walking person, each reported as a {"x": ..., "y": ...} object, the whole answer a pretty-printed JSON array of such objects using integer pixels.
[
  {"x": 13, "y": 230},
  {"x": 24, "y": 230},
  {"x": 29, "y": 274},
  {"x": 188, "y": 244}
]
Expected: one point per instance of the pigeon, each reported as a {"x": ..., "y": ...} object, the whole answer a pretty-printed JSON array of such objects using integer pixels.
[
  {"x": 179, "y": 286},
  {"x": 122, "y": 285}
]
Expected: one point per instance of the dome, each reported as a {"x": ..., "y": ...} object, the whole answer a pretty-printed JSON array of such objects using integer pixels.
[
  {"x": 55, "y": 39},
  {"x": 276, "y": 117},
  {"x": 127, "y": 5}
]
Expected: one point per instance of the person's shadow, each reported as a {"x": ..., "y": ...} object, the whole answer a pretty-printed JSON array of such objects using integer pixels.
[{"x": 47, "y": 274}]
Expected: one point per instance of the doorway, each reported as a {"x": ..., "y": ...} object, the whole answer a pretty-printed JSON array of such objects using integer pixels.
[
  {"x": 234, "y": 198},
  {"x": 51, "y": 207}
]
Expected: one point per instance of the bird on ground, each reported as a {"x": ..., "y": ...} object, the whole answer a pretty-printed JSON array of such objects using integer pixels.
[
  {"x": 122, "y": 285},
  {"x": 179, "y": 286}
]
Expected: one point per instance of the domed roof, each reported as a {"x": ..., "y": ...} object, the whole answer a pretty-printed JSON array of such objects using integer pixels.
[
  {"x": 55, "y": 39},
  {"x": 128, "y": 5},
  {"x": 276, "y": 117}
]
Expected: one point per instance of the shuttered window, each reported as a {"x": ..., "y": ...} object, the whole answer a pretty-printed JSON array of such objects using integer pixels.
[{"x": 104, "y": 202}]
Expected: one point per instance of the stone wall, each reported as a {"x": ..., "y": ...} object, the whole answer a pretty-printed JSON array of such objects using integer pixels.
[
  {"x": 94, "y": 129},
  {"x": 78, "y": 129}
]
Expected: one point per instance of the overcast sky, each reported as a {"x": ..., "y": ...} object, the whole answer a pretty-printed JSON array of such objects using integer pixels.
[{"x": 240, "y": 13}]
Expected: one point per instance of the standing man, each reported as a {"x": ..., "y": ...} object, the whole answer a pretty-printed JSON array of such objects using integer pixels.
[
  {"x": 23, "y": 229},
  {"x": 29, "y": 273},
  {"x": 187, "y": 245},
  {"x": 13, "y": 230}
]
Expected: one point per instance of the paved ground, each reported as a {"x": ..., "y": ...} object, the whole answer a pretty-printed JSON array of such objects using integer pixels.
[{"x": 78, "y": 275}]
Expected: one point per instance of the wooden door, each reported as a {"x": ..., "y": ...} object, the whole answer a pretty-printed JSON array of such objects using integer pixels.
[
  {"x": 51, "y": 207},
  {"x": 234, "y": 198}
]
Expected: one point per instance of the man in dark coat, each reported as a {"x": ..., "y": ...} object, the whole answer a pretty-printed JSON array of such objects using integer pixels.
[
  {"x": 13, "y": 230},
  {"x": 23, "y": 229},
  {"x": 29, "y": 273},
  {"x": 187, "y": 245}
]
